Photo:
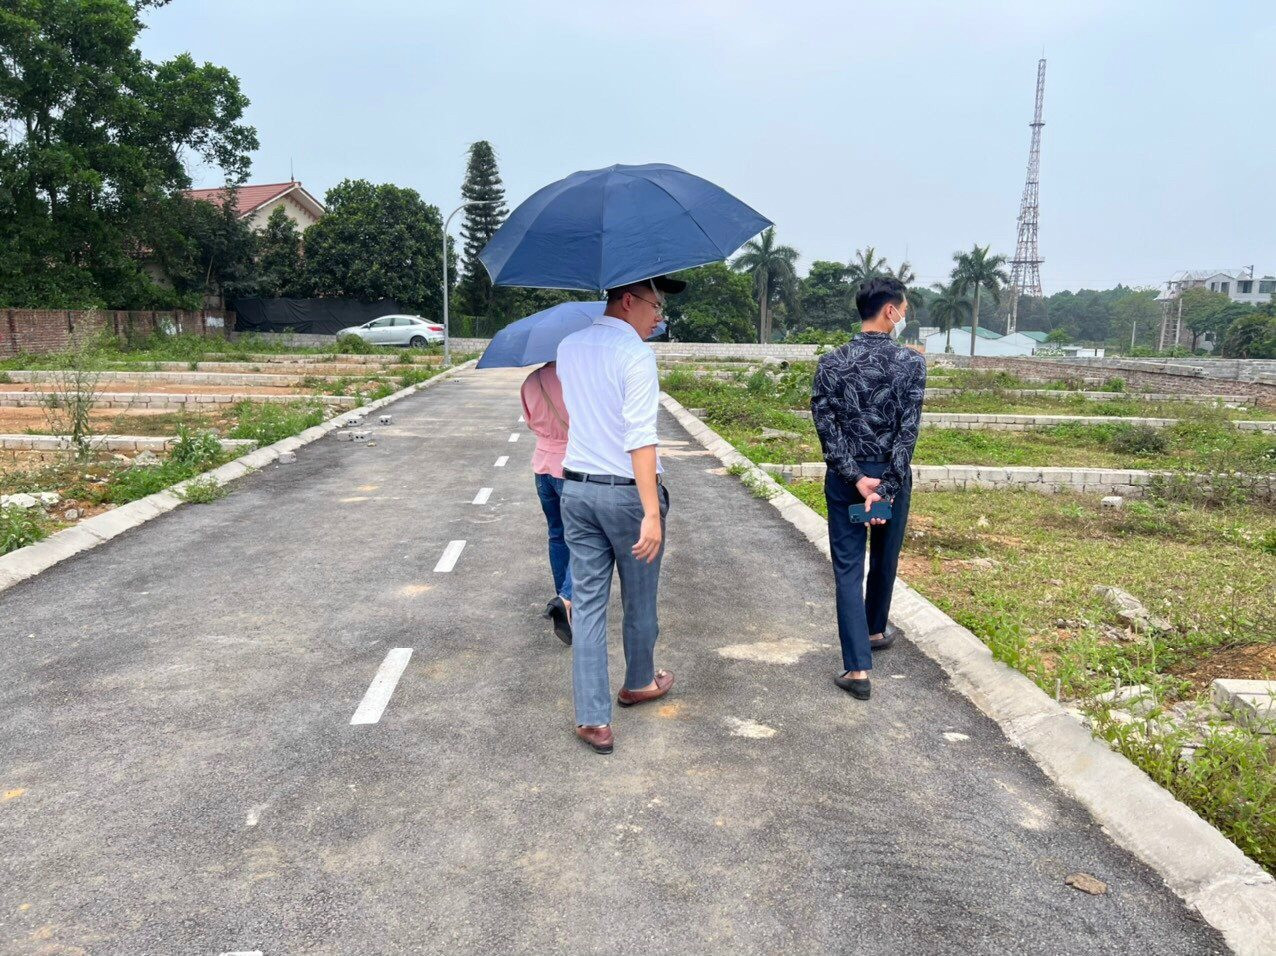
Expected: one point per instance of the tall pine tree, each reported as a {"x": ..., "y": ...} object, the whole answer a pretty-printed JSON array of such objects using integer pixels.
[{"x": 482, "y": 183}]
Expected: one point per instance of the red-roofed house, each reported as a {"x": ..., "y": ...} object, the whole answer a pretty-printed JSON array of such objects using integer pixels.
[{"x": 256, "y": 203}]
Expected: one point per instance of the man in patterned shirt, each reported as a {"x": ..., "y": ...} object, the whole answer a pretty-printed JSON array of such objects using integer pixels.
[{"x": 867, "y": 407}]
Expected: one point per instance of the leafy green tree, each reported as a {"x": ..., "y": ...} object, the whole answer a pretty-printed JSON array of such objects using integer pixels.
[
  {"x": 717, "y": 306},
  {"x": 948, "y": 307},
  {"x": 205, "y": 252},
  {"x": 96, "y": 146},
  {"x": 377, "y": 241},
  {"x": 1058, "y": 336},
  {"x": 979, "y": 272},
  {"x": 1207, "y": 311},
  {"x": 1253, "y": 336},
  {"x": 1136, "y": 310},
  {"x": 772, "y": 268},
  {"x": 483, "y": 185},
  {"x": 828, "y": 299},
  {"x": 279, "y": 265}
]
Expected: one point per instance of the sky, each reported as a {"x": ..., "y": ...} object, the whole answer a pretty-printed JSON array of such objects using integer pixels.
[{"x": 901, "y": 125}]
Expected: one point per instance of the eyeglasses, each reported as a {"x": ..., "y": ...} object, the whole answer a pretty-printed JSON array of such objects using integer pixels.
[{"x": 658, "y": 306}]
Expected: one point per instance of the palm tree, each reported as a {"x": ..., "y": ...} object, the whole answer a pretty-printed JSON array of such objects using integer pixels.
[
  {"x": 774, "y": 273},
  {"x": 947, "y": 308},
  {"x": 866, "y": 265},
  {"x": 978, "y": 270},
  {"x": 904, "y": 273}
]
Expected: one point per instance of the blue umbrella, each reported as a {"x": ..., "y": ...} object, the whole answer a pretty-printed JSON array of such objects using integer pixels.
[
  {"x": 604, "y": 228},
  {"x": 534, "y": 340}
]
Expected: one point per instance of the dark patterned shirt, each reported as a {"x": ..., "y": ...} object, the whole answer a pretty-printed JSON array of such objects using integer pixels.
[{"x": 867, "y": 405}]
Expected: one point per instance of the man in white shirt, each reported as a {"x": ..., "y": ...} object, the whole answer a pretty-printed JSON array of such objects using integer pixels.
[{"x": 614, "y": 503}]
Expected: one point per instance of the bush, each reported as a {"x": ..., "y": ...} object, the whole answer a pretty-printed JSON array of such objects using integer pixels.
[
  {"x": 202, "y": 491},
  {"x": 1114, "y": 384},
  {"x": 198, "y": 451},
  {"x": 833, "y": 338},
  {"x": 1139, "y": 440},
  {"x": 20, "y": 527},
  {"x": 353, "y": 345}
]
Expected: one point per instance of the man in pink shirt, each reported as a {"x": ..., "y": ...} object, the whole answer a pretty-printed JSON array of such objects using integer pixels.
[{"x": 547, "y": 418}]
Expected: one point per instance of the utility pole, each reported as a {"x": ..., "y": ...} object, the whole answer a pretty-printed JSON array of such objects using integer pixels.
[
  {"x": 1025, "y": 272},
  {"x": 447, "y": 328}
]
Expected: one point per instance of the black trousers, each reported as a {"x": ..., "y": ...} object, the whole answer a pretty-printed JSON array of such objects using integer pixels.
[{"x": 862, "y": 607}]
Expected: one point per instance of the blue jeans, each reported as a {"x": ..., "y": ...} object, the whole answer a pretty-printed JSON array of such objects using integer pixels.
[
  {"x": 603, "y": 523},
  {"x": 862, "y": 607},
  {"x": 550, "y": 491}
]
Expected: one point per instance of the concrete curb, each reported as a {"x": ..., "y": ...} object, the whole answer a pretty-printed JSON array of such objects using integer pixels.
[
  {"x": 1205, "y": 869},
  {"x": 17, "y": 566}
]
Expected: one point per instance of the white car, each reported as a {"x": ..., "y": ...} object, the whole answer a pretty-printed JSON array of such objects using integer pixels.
[{"x": 398, "y": 330}]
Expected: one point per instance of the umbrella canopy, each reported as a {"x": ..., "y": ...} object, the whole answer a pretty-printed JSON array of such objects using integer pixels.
[
  {"x": 534, "y": 340},
  {"x": 603, "y": 228}
]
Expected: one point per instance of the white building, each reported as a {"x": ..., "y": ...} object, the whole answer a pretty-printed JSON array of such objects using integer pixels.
[
  {"x": 1239, "y": 285},
  {"x": 987, "y": 342}
]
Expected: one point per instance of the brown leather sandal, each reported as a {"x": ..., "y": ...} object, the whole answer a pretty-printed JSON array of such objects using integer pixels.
[{"x": 664, "y": 680}]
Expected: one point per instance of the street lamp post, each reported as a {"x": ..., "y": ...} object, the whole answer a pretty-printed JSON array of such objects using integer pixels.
[{"x": 447, "y": 328}]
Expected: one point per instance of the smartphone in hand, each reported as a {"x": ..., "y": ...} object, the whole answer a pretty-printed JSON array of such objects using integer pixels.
[{"x": 880, "y": 509}]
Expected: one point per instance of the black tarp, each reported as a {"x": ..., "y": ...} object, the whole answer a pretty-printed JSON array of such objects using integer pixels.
[{"x": 308, "y": 316}]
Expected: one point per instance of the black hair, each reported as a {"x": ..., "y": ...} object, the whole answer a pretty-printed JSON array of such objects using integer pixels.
[
  {"x": 616, "y": 294},
  {"x": 877, "y": 293}
]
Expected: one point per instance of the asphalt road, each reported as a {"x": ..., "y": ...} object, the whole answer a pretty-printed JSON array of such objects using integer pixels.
[{"x": 179, "y": 772}]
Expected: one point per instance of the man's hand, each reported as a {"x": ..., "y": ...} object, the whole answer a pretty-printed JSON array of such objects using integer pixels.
[
  {"x": 867, "y": 486},
  {"x": 650, "y": 536}
]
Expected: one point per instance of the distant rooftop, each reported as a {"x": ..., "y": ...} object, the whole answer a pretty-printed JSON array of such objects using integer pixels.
[
  {"x": 982, "y": 332},
  {"x": 248, "y": 199}
]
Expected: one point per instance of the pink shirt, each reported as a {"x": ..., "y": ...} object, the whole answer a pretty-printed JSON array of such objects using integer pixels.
[{"x": 547, "y": 418}]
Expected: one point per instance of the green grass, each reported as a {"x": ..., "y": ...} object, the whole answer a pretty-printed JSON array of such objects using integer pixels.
[
  {"x": 740, "y": 410},
  {"x": 994, "y": 403},
  {"x": 1210, "y": 572},
  {"x": 269, "y": 423},
  {"x": 202, "y": 491},
  {"x": 211, "y": 348},
  {"x": 19, "y": 528}
]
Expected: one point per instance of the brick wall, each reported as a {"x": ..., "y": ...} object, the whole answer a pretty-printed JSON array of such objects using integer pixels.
[{"x": 52, "y": 330}]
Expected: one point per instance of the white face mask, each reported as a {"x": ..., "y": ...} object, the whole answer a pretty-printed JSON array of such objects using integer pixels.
[{"x": 899, "y": 326}]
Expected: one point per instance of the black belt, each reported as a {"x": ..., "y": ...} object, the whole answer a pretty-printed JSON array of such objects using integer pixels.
[{"x": 600, "y": 479}]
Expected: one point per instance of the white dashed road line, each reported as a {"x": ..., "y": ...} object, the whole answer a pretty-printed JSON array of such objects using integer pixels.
[
  {"x": 450, "y": 555},
  {"x": 513, "y": 436},
  {"x": 500, "y": 462},
  {"x": 522, "y": 420},
  {"x": 382, "y": 686},
  {"x": 482, "y": 496}
]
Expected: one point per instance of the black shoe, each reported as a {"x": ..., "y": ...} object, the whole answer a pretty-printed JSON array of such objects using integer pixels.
[
  {"x": 557, "y": 612},
  {"x": 888, "y": 637},
  {"x": 859, "y": 689}
]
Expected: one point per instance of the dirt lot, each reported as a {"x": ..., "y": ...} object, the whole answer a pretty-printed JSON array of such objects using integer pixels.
[{"x": 113, "y": 421}]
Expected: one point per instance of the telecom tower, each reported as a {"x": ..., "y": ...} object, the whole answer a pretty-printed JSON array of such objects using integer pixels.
[{"x": 1025, "y": 272}]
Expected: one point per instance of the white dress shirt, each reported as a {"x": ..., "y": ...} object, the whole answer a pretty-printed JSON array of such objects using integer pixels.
[{"x": 612, "y": 392}]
